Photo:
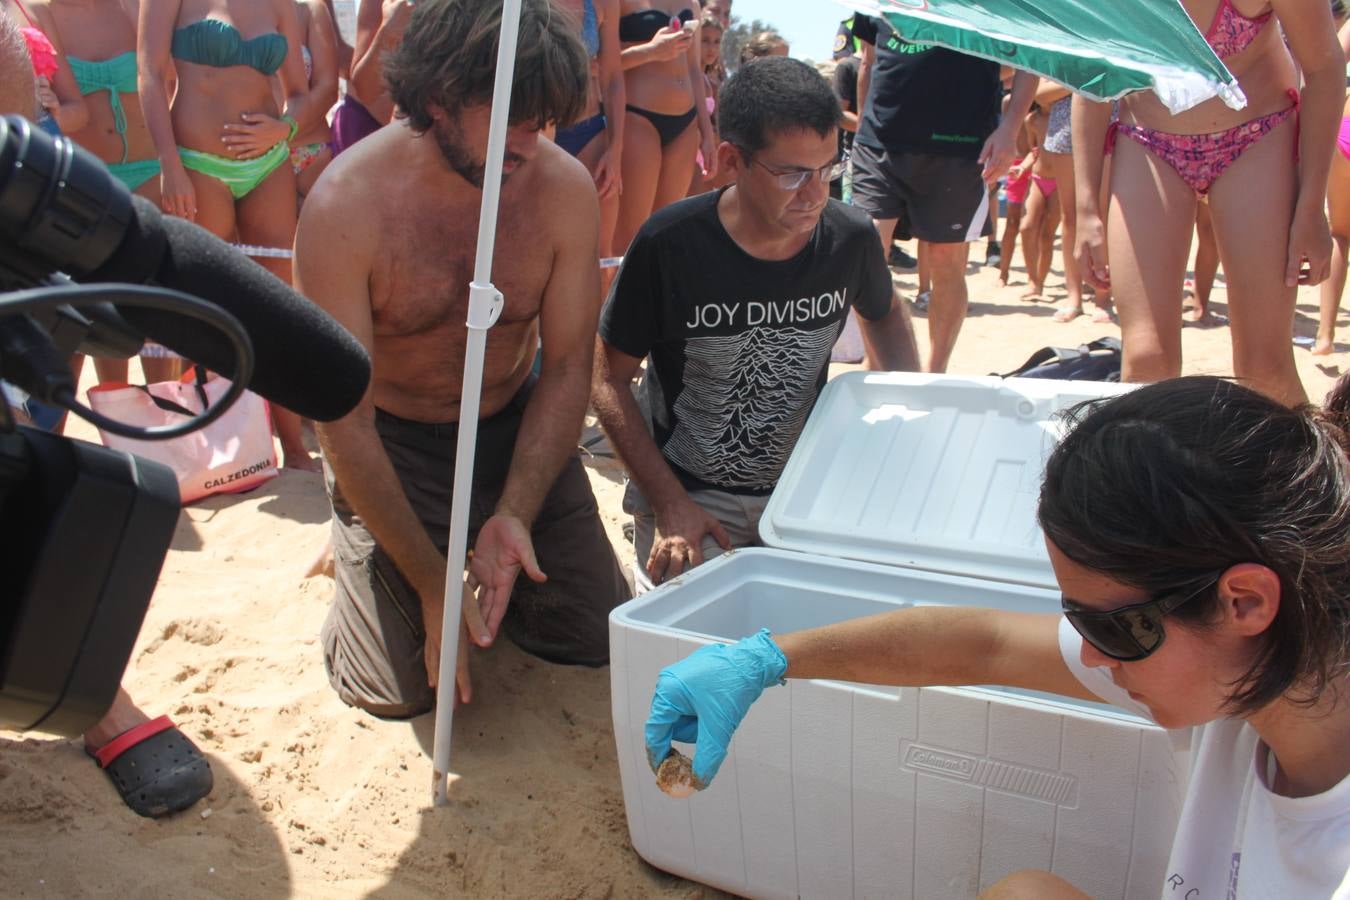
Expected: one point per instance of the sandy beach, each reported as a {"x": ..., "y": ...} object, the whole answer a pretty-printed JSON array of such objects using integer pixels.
[{"x": 316, "y": 799}]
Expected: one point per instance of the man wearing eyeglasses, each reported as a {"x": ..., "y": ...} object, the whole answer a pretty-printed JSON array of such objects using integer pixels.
[{"x": 736, "y": 298}]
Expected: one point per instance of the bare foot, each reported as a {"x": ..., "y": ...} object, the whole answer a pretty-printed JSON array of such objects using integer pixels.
[
  {"x": 1202, "y": 317},
  {"x": 1103, "y": 315},
  {"x": 122, "y": 716},
  {"x": 323, "y": 563},
  {"x": 1323, "y": 347},
  {"x": 1068, "y": 313},
  {"x": 299, "y": 458},
  {"x": 1032, "y": 293}
]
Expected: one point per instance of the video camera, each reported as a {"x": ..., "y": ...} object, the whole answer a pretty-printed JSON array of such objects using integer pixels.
[{"x": 84, "y": 529}]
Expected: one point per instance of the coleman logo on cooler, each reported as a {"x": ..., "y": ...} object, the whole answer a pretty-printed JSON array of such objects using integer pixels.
[{"x": 1013, "y": 778}]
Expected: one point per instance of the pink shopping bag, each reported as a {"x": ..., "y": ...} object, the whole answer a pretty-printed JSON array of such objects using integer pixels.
[{"x": 233, "y": 453}]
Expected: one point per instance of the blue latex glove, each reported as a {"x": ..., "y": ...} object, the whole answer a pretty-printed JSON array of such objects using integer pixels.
[{"x": 702, "y": 698}]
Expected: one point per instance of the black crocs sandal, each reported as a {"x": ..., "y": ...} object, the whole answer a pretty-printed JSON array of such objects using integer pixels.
[{"x": 155, "y": 767}]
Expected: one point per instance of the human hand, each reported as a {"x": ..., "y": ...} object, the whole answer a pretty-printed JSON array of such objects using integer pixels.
[
  {"x": 607, "y": 174},
  {"x": 46, "y": 96},
  {"x": 669, "y": 43},
  {"x": 1090, "y": 249},
  {"x": 503, "y": 550},
  {"x": 433, "y": 621},
  {"x": 680, "y": 527},
  {"x": 254, "y": 136},
  {"x": 1309, "y": 248},
  {"x": 708, "y": 147},
  {"x": 702, "y": 698},
  {"x": 998, "y": 153},
  {"x": 177, "y": 195}
]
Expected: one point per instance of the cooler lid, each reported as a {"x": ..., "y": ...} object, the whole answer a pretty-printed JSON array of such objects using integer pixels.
[{"x": 933, "y": 472}]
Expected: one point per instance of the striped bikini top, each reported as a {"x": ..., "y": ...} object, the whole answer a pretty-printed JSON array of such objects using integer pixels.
[
  {"x": 1231, "y": 32},
  {"x": 117, "y": 76},
  {"x": 211, "y": 42}
]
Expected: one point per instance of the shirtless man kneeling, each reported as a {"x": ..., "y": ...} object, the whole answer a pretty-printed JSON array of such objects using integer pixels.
[{"x": 386, "y": 245}]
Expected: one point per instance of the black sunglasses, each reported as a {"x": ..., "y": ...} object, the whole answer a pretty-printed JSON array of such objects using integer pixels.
[{"x": 1128, "y": 633}]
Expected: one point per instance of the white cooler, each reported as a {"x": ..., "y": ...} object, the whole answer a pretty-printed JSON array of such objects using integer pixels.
[{"x": 903, "y": 490}]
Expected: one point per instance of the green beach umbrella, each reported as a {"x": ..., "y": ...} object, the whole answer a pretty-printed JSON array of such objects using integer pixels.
[{"x": 1101, "y": 48}]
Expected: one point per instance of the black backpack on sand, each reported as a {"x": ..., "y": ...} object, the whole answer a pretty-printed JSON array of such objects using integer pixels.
[{"x": 1097, "y": 360}]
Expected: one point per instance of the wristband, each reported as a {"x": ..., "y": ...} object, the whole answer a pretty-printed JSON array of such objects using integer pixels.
[{"x": 295, "y": 126}]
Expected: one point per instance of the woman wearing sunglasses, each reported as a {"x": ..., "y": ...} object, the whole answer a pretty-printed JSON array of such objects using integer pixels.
[{"x": 1200, "y": 534}]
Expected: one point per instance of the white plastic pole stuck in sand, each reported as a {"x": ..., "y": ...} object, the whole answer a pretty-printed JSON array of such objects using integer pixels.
[{"x": 485, "y": 305}]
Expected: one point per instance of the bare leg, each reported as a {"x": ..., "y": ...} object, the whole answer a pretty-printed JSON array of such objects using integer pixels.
[
  {"x": 1102, "y": 299},
  {"x": 1046, "y": 242},
  {"x": 1148, "y": 236},
  {"x": 158, "y": 369},
  {"x": 947, "y": 308},
  {"x": 1253, "y": 204},
  {"x": 1032, "y": 223},
  {"x": 109, "y": 370},
  {"x": 993, "y": 219},
  {"x": 609, "y": 208},
  {"x": 267, "y": 219},
  {"x": 1338, "y": 203},
  {"x": 672, "y": 183},
  {"x": 1061, "y": 169},
  {"x": 641, "y": 171},
  {"x": 886, "y": 232},
  {"x": 1206, "y": 267},
  {"x": 1011, "y": 223},
  {"x": 609, "y": 204},
  {"x": 925, "y": 268}
]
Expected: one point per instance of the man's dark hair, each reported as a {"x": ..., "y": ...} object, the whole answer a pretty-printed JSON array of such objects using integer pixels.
[
  {"x": 1168, "y": 486},
  {"x": 772, "y": 95},
  {"x": 448, "y": 58}
]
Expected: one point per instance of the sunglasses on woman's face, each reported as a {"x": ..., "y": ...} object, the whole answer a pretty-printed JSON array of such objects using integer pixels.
[{"x": 1127, "y": 633}]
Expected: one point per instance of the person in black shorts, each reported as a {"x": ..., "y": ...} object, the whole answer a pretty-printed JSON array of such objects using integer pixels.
[
  {"x": 928, "y": 146},
  {"x": 736, "y": 298}
]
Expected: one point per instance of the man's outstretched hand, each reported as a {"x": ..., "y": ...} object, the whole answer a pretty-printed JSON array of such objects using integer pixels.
[{"x": 504, "y": 549}]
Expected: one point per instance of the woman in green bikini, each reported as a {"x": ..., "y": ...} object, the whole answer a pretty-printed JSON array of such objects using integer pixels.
[
  {"x": 223, "y": 144},
  {"x": 98, "y": 40}
]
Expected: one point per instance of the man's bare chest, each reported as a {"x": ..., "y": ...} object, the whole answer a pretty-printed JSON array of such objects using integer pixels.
[{"x": 420, "y": 280}]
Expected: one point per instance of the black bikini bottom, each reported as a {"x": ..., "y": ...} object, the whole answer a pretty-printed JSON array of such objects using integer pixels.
[{"x": 668, "y": 128}]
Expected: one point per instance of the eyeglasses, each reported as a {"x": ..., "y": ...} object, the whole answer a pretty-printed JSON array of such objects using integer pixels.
[
  {"x": 791, "y": 181},
  {"x": 1128, "y": 633}
]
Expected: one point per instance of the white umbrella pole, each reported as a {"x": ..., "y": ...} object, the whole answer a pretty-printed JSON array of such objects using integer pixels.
[{"x": 485, "y": 304}]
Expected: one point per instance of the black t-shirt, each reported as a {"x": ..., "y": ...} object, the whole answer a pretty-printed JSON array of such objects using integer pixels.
[
  {"x": 846, "y": 89},
  {"x": 739, "y": 347},
  {"x": 926, "y": 99}
]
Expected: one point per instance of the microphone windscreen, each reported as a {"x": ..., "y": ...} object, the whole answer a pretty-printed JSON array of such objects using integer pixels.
[{"x": 305, "y": 360}]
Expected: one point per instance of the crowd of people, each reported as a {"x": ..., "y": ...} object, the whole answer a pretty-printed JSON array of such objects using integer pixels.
[{"x": 755, "y": 213}]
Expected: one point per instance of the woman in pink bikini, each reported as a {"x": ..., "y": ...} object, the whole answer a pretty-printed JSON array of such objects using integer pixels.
[
  {"x": 1338, "y": 204},
  {"x": 1264, "y": 169}
]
